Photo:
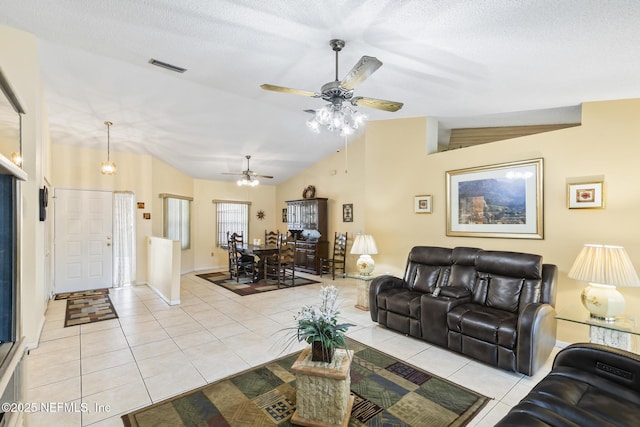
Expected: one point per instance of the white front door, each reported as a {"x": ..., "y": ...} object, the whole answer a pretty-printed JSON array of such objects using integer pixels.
[{"x": 83, "y": 245}]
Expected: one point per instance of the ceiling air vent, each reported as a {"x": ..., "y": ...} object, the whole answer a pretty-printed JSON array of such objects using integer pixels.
[{"x": 167, "y": 66}]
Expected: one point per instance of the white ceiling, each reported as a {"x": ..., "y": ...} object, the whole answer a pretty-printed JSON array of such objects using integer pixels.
[{"x": 468, "y": 63}]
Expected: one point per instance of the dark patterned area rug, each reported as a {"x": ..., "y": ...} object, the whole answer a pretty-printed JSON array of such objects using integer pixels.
[
  {"x": 246, "y": 287},
  {"x": 387, "y": 391},
  {"x": 88, "y": 308},
  {"x": 91, "y": 292}
]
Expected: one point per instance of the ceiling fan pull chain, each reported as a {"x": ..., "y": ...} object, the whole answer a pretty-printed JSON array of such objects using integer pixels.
[{"x": 346, "y": 154}]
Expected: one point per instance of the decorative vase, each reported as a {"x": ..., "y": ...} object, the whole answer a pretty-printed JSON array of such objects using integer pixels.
[
  {"x": 365, "y": 264},
  {"x": 320, "y": 353},
  {"x": 604, "y": 302}
]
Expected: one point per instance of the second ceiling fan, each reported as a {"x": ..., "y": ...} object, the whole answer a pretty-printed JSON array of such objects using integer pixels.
[{"x": 249, "y": 177}]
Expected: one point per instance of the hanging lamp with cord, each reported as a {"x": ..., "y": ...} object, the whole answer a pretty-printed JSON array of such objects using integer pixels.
[{"x": 108, "y": 167}]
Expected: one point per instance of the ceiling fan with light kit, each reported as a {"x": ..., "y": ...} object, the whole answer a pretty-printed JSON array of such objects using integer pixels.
[
  {"x": 249, "y": 177},
  {"x": 339, "y": 114}
]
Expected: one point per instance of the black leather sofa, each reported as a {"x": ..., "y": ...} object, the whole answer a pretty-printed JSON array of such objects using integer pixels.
[
  {"x": 589, "y": 385},
  {"x": 494, "y": 306}
]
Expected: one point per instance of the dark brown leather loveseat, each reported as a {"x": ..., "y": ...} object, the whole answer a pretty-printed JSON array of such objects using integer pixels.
[
  {"x": 494, "y": 306},
  {"x": 589, "y": 385}
]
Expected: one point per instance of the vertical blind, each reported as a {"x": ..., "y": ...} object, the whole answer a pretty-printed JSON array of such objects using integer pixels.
[
  {"x": 177, "y": 219},
  {"x": 232, "y": 217}
]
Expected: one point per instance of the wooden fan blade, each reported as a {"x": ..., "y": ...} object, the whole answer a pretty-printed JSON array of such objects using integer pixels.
[
  {"x": 379, "y": 104},
  {"x": 261, "y": 176},
  {"x": 231, "y": 173},
  {"x": 360, "y": 72},
  {"x": 289, "y": 90}
]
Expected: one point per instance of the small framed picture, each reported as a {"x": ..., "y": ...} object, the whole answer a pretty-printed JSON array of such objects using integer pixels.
[
  {"x": 146, "y": 215},
  {"x": 587, "y": 195},
  {"x": 140, "y": 205},
  {"x": 284, "y": 214},
  {"x": 422, "y": 204},
  {"x": 347, "y": 212}
]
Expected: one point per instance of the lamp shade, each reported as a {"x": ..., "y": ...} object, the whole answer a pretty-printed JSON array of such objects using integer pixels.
[
  {"x": 364, "y": 245},
  {"x": 604, "y": 265}
]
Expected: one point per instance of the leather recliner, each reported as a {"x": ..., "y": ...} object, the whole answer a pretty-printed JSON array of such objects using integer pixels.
[
  {"x": 494, "y": 306},
  {"x": 589, "y": 385}
]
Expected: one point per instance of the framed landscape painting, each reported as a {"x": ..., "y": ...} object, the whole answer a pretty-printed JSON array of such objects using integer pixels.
[{"x": 502, "y": 200}]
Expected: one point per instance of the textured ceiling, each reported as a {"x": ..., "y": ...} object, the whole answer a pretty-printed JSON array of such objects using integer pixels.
[{"x": 467, "y": 63}]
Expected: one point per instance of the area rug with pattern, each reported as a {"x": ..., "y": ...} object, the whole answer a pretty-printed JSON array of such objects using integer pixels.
[
  {"x": 90, "y": 292},
  {"x": 89, "y": 307},
  {"x": 246, "y": 287},
  {"x": 387, "y": 392}
]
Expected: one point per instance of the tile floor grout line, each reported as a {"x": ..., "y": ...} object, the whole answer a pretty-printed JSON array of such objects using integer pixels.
[
  {"x": 136, "y": 362},
  {"x": 193, "y": 293},
  {"x": 83, "y": 397},
  {"x": 179, "y": 349},
  {"x": 82, "y": 414}
]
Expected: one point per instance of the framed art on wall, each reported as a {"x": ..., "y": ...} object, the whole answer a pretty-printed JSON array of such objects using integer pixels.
[
  {"x": 347, "y": 212},
  {"x": 587, "y": 195},
  {"x": 502, "y": 200},
  {"x": 422, "y": 204}
]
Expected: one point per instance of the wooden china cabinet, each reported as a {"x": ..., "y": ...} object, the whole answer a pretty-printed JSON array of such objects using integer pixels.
[{"x": 309, "y": 218}]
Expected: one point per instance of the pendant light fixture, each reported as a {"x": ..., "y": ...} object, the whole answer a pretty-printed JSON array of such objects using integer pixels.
[
  {"x": 16, "y": 158},
  {"x": 108, "y": 167}
]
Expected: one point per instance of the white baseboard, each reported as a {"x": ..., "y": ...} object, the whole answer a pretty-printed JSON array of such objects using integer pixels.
[
  {"x": 34, "y": 344},
  {"x": 165, "y": 299},
  {"x": 213, "y": 267}
]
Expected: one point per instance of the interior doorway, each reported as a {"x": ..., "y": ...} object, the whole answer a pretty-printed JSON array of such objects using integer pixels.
[{"x": 83, "y": 247}]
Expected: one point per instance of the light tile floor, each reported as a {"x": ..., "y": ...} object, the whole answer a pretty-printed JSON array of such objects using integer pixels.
[{"x": 92, "y": 374}]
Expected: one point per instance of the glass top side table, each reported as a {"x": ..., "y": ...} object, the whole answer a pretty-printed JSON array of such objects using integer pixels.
[
  {"x": 614, "y": 334},
  {"x": 362, "y": 295}
]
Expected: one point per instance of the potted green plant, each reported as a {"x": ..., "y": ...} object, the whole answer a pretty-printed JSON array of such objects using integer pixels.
[{"x": 318, "y": 325}]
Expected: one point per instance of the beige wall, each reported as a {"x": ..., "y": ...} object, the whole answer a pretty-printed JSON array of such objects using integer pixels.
[
  {"x": 166, "y": 179},
  {"x": 79, "y": 168},
  {"x": 21, "y": 67},
  {"x": 340, "y": 178},
  {"x": 147, "y": 177},
  {"x": 383, "y": 171},
  {"x": 262, "y": 197},
  {"x": 396, "y": 168}
]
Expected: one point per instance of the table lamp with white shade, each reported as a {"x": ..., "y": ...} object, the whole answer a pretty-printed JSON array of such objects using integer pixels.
[
  {"x": 604, "y": 267},
  {"x": 365, "y": 246}
]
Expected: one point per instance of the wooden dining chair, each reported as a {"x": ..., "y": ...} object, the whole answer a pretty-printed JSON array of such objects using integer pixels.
[
  {"x": 282, "y": 239},
  {"x": 270, "y": 262},
  {"x": 287, "y": 264},
  {"x": 239, "y": 239},
  {"x": 338, "y": 259},
  {"x": 239, "y": 263},
  {"x": 271, "y": 237}
]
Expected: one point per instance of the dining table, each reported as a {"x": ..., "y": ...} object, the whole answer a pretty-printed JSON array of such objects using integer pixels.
[{"x": 261, "y": 252}]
